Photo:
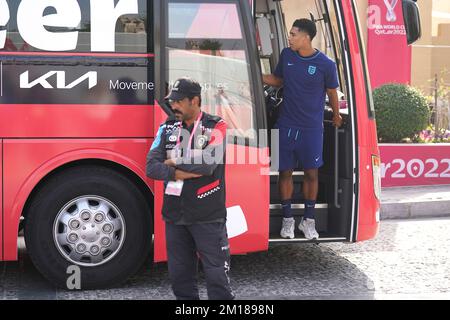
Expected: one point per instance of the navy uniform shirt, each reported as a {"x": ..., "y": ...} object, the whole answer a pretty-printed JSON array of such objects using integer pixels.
[
  {"x": 306, "y": 80},
  {"x": 202, "y": 199}
]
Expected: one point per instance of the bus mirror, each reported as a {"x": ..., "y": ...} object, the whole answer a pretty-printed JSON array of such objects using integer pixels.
[{"x": 411, "y": 17}]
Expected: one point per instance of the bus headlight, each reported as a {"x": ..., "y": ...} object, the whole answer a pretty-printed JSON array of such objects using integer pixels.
[{"x": 376, "y": 171}]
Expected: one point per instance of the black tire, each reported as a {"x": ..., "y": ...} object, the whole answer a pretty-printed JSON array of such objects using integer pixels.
[{"x": 78, "y": 182}]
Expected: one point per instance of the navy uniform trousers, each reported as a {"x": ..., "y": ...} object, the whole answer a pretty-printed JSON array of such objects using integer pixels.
[{"x": 186, "y": 244}]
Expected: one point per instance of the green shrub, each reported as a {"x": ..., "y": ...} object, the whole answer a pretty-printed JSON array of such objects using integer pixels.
[{"x": 401, "y": 112}]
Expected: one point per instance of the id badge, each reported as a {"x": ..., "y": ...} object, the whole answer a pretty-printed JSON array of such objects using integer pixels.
[{"x": 174, "y": 188}]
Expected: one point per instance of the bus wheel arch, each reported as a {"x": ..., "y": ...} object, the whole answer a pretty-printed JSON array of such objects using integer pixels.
[{"x": 91, "y": 181}]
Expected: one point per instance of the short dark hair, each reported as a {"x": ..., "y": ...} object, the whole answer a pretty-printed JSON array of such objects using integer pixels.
[{"x": 306, "y": 25}]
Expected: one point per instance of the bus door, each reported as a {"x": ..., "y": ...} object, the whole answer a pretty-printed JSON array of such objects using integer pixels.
[{"x": 213, "y": 42}]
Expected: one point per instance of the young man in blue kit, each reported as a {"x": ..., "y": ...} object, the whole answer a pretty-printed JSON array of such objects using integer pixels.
[{"x": 307, "y": 75}]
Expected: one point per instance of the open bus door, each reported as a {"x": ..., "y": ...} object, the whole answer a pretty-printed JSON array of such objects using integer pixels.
[
  {"x": 334, "y": 208},
  {"x": 213, "y": 43}
]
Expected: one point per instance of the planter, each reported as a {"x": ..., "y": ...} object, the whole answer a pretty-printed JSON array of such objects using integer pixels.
[{"x": 414, "y": 164}]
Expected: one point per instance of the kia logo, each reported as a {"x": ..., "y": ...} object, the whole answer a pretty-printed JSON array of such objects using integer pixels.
[{"x": 61, "y": 83}]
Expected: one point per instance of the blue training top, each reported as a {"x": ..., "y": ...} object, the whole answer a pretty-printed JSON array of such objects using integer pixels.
[{"x": 306, "y": 80}]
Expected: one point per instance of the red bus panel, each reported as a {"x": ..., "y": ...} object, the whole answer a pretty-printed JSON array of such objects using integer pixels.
[
  {"x": 1, "y": 199},
  {"x": 28, "y": 161},
  {"x": 366, "y": 133}
]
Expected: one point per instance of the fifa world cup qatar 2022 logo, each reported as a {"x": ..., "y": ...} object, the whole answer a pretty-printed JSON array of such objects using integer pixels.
[{"x": 390, "y": 5}]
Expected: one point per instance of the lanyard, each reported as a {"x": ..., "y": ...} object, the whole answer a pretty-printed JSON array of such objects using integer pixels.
[{"x": 197, "y": 122}]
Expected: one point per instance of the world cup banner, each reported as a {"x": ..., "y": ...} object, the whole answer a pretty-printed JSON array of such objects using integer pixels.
[
  {"x": 415, "y": 164},
  {"x": 388, "y": 55}
]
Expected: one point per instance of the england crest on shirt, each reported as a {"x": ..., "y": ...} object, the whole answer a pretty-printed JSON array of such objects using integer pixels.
[{"x": 312, "y": 70}]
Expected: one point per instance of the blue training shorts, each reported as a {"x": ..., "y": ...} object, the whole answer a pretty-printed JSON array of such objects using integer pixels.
[{"x": 300, "y": 148}]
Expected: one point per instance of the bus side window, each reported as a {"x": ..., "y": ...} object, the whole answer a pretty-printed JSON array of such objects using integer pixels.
[{"x": 205, "y": 42}]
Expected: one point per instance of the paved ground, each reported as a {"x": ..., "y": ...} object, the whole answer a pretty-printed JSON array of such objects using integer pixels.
[{"x": 409, "y": 259}]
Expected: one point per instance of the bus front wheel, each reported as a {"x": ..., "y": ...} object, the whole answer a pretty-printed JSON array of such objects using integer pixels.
[{"x": 88, "y": 222}]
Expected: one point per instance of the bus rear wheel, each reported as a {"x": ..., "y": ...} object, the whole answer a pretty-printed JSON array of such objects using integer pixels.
[{"x": 93, "y": 218}]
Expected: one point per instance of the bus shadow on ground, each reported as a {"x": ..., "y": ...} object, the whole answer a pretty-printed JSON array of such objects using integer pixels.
[{"x": 300, "y": 271}]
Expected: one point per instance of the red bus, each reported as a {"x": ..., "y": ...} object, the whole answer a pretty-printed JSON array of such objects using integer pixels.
[{"x": 82, "y": 87}]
